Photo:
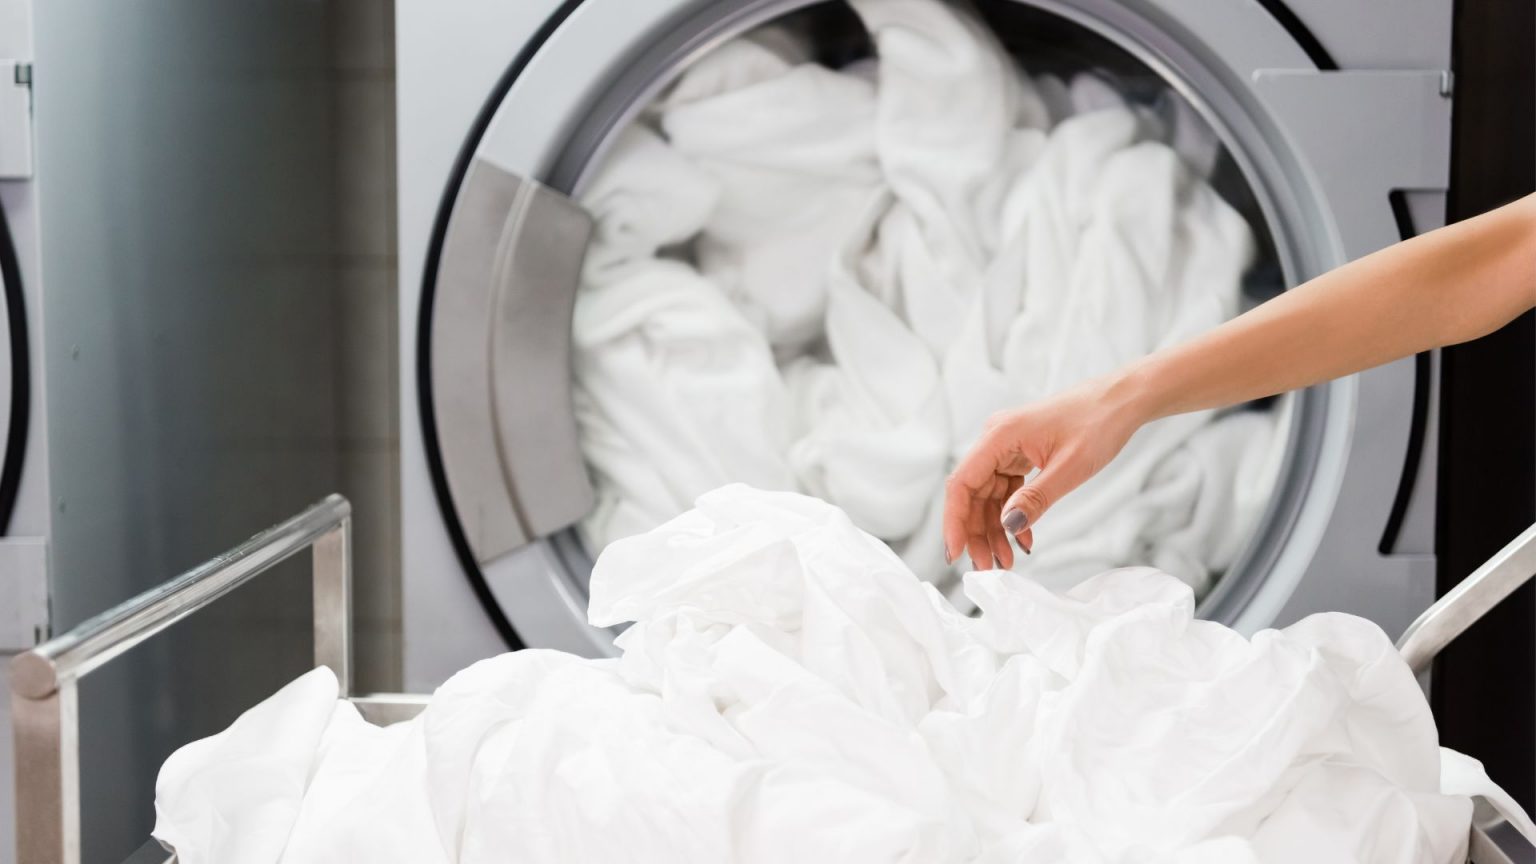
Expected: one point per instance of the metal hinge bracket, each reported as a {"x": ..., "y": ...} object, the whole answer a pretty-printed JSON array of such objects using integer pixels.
[{"x": 15, "y": 120}]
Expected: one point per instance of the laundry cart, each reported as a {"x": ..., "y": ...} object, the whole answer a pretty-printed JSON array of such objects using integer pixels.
[{"x": 44, "y": 680}]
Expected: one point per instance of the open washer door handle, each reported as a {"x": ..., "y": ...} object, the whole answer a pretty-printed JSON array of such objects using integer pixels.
[{"x": 501, "y": 360}]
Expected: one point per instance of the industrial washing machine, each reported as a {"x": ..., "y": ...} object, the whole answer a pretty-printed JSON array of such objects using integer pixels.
[
  {"x": 504, "y": 108},
  {"x": 23, "y": 458}
]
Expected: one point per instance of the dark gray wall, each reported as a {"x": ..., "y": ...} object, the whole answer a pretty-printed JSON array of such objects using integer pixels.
[{"x": 217, "y": 260}]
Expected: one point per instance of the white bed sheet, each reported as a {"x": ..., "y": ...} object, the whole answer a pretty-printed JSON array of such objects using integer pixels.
[{"x": 790, "y": 692}]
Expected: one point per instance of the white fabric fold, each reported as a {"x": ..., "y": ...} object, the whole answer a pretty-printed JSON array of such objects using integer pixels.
[{"x": 790, "y": 691}]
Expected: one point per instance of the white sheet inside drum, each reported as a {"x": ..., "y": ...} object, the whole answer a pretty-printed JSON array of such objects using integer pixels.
[
  {"x": 789, "y": 692},
  {"x": 825, "y": 280}
]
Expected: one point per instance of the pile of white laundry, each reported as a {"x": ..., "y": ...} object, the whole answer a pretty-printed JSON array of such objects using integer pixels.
[
  {"x": 825, "y": 280},
  {"x": 789, "y": 692}
]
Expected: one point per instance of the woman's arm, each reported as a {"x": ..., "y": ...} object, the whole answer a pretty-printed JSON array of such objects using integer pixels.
[{"x": 1448, "y": 286}]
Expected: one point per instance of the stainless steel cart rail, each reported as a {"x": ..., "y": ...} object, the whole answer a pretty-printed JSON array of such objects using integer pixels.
[
  {"x": 43, "y": 680},
  {"x": 44, "y": 703}
]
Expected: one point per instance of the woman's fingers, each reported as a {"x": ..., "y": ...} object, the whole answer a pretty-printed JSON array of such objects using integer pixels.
[
  {"x": 957, "y": 515},
  {"x": 1030, "y": 501},
  {"x": 960, "y": 500},
  {"x": 974, "y": 497},
  {"x": 1026, "y": 540},
  {"x": 965, "y": 491},
  {"x": 978, "y": 545},
  {"x": 1002, "y": 550},
  {"x": 997, "y": 540},
  {"x": 979, "y": 550}
]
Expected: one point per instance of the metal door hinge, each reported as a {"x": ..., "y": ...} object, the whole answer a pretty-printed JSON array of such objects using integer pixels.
[{"x": 15, "y": 120}]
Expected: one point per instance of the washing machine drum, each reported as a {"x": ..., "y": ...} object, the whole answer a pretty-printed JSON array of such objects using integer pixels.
[{"x": 528, "y": 451}]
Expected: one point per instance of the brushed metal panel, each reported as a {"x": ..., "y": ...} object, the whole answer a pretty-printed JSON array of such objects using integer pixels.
[{"x": 501, "y": 360}]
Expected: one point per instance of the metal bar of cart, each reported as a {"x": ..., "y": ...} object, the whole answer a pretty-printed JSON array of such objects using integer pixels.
[
  {"x": 43, "y": 680},
  {"x": 382, "y": 709},
  {"x": 151, "y": 853},
  {"x": 1462, "y": 606},
  {"x": 1453, "y": 614},
  {"x": 1482, "y": 850}
]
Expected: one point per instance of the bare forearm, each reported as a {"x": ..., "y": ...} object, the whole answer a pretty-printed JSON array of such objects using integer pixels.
[{"x": 1448, "y": 286}]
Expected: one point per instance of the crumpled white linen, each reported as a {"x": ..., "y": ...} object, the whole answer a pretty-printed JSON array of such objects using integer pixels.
[
  {"x": 789, "y": 691},
  {"x": 825, "y": 280}
]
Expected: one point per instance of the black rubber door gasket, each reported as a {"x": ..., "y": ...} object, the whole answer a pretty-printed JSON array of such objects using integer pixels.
[{"x": 21, "y": 376}]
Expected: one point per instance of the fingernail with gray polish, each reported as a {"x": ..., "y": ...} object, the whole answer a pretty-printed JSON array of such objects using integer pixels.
[
  {"x": 948, "y": 558},
  {"x": 997, "y": 563},
  {"x": 1015, "y": 520}
]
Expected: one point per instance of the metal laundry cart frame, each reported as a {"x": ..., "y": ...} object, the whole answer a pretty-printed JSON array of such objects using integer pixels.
[{"x": 46, "y": 708}]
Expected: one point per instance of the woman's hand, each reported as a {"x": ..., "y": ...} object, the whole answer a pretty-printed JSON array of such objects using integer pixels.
[
  {"x": 1068, "y": 437},
  {"x": 1450, "y": 285}
]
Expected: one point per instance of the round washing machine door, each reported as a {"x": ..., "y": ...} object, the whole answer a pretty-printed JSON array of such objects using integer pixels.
[{"x": 495, "y": 340}]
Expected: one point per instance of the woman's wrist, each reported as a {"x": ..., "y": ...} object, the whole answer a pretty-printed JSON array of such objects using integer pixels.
[{"x": 1130, "y": 394}]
